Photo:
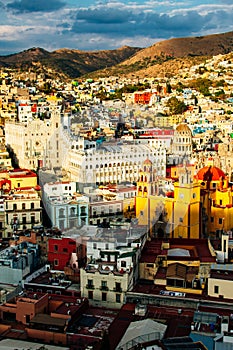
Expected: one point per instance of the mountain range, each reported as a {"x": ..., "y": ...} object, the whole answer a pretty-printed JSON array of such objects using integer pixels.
[{"x": 171, "y": 54}]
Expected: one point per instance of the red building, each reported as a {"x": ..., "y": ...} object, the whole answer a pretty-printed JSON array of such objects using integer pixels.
[
  {"x": 60, "y": 252},
  {"x": 142, "y": 97},
  {"x": 63, "y": 252}
]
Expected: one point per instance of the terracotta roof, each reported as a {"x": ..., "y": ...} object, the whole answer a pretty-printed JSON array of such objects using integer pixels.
[{"x": 147, "y": 162}]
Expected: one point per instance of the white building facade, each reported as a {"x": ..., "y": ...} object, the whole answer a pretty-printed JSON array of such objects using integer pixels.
[
  {"x": 38, "y": 143},
  {"x": 65, "y": 208},
  {"x": 112, "y": 163}
]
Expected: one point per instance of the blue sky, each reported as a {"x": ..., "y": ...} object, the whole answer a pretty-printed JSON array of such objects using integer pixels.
[{"x": 103, "y": 24}]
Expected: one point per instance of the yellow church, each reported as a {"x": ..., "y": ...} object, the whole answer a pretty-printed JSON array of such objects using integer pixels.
[
  {"x": 192, "y": 206},
  {"x": 217, "y": 201}
]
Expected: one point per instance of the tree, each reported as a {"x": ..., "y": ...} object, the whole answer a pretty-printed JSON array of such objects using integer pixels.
[
  {"x": 168, "y": 88},
  {"x": 179, "y": 87},
  {"x": 176, "y": 106},
  {"x": 202, "y": 85}
]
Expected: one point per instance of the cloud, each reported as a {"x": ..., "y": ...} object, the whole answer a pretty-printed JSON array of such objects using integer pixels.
[
  {"x": 120, "y": 21},
  {"x": 35, "y": 5},
  {"x": 110, "y": 24}
]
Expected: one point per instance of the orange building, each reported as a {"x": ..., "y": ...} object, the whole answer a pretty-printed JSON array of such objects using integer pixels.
[{"x": 41, "y": 316}]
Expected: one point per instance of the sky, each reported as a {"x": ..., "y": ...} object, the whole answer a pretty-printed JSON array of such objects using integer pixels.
[{"x": 103, "y": 25}]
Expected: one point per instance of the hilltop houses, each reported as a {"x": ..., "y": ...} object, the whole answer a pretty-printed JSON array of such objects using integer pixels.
[{"x": 115, "y": 213}]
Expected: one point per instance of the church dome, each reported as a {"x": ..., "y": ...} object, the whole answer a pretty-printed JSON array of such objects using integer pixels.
[
  {"x": 183, "y": 128},
  {"x": 210, "y": 173}
]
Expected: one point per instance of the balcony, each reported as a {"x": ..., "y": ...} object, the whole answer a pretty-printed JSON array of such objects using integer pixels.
[
  {"x": 90, "y": 286},
  {"x": 105, "y": 288},
  {"x": 117, "y": 289}
]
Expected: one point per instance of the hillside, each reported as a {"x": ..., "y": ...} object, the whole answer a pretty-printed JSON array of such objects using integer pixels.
[
  {"x": 164, "y": 57},
  {"x": 170, "y": 55},
  {"x": 72, "y": 63}
]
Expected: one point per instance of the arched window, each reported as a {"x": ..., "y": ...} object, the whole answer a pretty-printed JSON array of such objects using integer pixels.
[
  {"x": 61, "y": 213},
  {"x": 72, "y": 211}
]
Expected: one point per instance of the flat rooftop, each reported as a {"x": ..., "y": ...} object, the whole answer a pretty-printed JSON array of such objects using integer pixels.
[{"x": 196, "y": 249}]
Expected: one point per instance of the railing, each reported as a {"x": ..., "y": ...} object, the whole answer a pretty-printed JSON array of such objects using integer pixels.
[
  {"x": 104, "y": 288},
  {"x": 90, "y": 286}
]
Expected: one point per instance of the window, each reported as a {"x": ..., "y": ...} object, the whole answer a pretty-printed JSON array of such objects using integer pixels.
[
  {"x": 216, "y": 289},
  {"x": 220, "y": 221},
  {"x": 90, "y": 294},
  {"x": 211, "y": 219},
  {"x": 72, "y": 212},
  {"x": 180, "y": 219},
  {"x": 55, "y": 247},
  {"x": 118, "y": 298},
  {"x": 56, "y": 262},
  {"x": 14, "y": 206},
  {"x": 150, "y": 265},
  {"x": 83, "y": 211},
  {"x": 106, "y": 246},
  {"x": 61, "y": 213},
  {"x": 123, "y": 263},
  {"x": 118, "y": 287},
  {"x": 220, "y": 202},
  {"x": 94, "y": 246},
  {"x": 32, "y": 205},
  {"x": 23, "y": 206},
  {"x": 65, "y": 250},
  {"x": 194, "y": 195},
  {"x": 90, "y": 284},
  {"x": 104, "y": 296},
  {"x": 104, "y": 285}
]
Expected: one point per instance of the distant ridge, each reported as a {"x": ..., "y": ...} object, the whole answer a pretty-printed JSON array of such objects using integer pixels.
[
  {"x": 72, "y": 63},
  {"x": 170, "y": 55},
  {"x": 123, "y": 61},
  {"x": 208, "y": 45}
]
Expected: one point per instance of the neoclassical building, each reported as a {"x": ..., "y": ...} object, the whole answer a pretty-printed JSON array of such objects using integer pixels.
[
  {"x": 51, "y": 144},
  {"x": 112, "y": 163},
  {"x": 181, "y": 145}
]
